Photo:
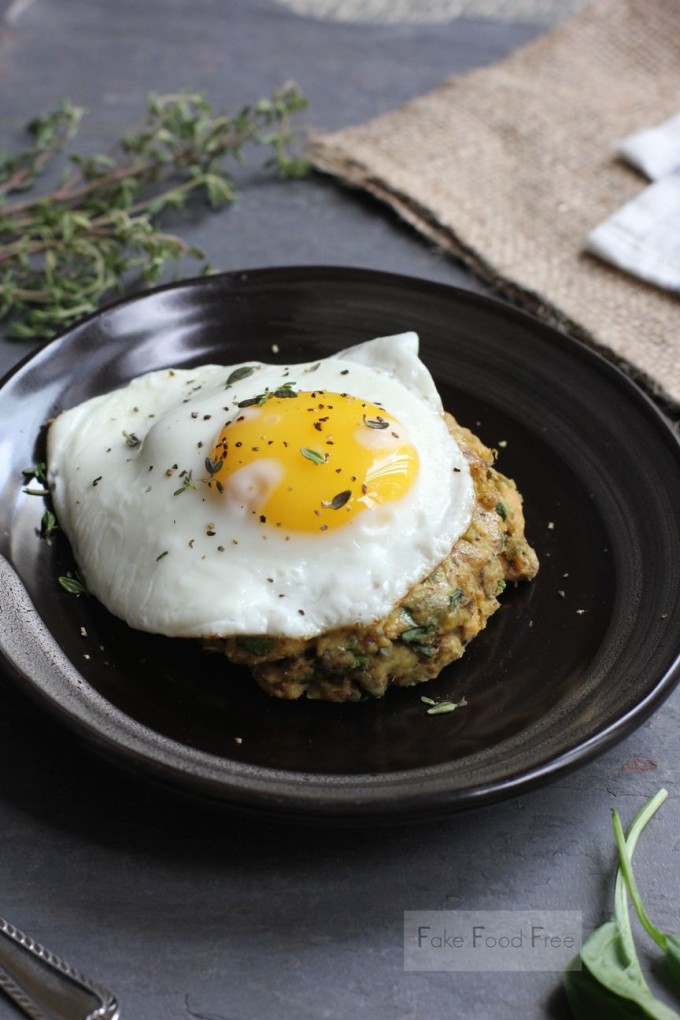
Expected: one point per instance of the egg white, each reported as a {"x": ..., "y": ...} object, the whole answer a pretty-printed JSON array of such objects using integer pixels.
[{"x": 172, "y": 559}]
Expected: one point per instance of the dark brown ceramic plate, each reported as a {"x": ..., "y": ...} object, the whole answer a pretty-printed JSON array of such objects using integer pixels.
[{"x": 570, "y": 664}]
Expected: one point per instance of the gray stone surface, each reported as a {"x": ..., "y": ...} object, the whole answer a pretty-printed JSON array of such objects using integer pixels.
[{"x": 185, "y": 912}]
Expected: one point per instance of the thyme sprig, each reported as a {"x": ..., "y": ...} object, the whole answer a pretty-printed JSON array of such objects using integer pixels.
[
  {"x": 187, "y": 483},
  {"x": 283, "y": 391},
  {"x": 61, "y": 252}
]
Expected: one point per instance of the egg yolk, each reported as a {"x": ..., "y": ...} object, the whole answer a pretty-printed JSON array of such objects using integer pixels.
[{"x": 312, "y": 461}]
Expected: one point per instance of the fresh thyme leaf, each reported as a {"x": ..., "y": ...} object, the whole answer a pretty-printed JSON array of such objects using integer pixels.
[
  {"x": 48, "y": 524},
  {"x": 376, "y": 423},
  {"x": 313, "y": 455},
  {"x": 213, "y": 466},
  {"x": 286, "y": 390},
  {"x": 338, "y": 501},
  {"x": 455, "y": 597},
  {"x": 240, "y": 373},
  {"x": 62, "y": 252},
  {"x": 501, "y": 510},
  {"x": 73, "y": 585},
  {"x": 259, "y": 399},
  {"x": 414, "y": 635},
  {"x": 417, "y": 638},
  {"x": 37, "y": 471},
  {"x": 445, "y": 707}
]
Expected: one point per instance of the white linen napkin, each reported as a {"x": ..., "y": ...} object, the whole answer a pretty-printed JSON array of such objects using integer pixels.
[
  {"x": 643, "y": 236},
  {"x": 655, "y": 151}
]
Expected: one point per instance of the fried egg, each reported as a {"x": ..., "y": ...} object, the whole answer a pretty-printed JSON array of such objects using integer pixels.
[{"x": 281, "y": 500}]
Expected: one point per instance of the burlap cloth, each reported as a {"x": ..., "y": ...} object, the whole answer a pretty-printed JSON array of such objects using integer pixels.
[{"x": 511, "y": 166}]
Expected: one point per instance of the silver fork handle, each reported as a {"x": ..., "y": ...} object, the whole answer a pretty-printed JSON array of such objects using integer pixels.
[{"x": 44, "y": 986}]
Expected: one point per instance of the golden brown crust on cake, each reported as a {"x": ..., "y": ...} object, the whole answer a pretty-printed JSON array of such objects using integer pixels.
[{"x": 429, "y": 627}]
